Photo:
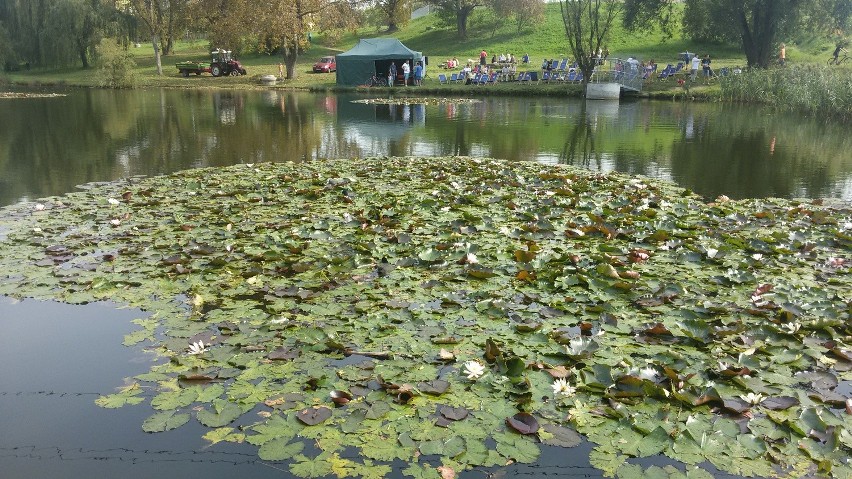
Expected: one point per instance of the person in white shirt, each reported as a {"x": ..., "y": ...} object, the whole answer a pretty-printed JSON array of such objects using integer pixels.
[
  {"x": 693, "y": 69},
  {"x": 406, "y": 71}
]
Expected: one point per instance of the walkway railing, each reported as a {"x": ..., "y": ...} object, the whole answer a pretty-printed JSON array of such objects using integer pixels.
[{"x": 627, "y": 73}]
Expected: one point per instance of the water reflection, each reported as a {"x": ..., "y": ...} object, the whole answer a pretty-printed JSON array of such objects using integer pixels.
[{"x": 49, "y": 145}]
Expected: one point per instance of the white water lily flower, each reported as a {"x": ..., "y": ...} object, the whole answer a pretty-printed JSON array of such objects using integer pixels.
[
  {"x": 115, "y": 222},
  {"x": 648, "y": 373},
  {"x": 752, "y": 398},
  {"x": 39, "y": 207},
  {"x": 471, "y": 258},
  {"x": 474, "y": 370},
  {"x": 562, "y": 388},
  {"x": 576, "y": 346},
  {"x": 792, "y": 327},
  {"x": 113, "y": 201},
  {"x": 712, "y": 252},
  {"x": 197, "y": 348}
]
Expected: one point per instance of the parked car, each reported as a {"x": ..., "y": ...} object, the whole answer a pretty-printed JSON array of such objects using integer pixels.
[{"x": 325, "y": 65}]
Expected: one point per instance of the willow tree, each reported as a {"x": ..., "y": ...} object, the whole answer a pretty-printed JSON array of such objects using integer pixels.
[{"x": 587, "y": 25}]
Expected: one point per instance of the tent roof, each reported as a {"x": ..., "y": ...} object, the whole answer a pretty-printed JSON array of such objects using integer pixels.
[{"x": 381, "y": 49}]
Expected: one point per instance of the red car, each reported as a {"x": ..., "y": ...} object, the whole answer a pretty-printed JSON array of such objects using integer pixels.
[{"x": 325, "y": 65}]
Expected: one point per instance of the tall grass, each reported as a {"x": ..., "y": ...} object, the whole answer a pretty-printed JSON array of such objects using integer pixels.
[{"x": 808, "y": 88}]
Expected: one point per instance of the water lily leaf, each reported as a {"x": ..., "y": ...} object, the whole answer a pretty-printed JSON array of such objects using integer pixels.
[
  {"x": 524, "y": 423},
  {"x": 313, "y": 415},
  {"x": 654, "y": 443},
  {"x": 284, "y": 354},
  {"x": 435, "y": 387},
  {"x": 453, "y": 413},
  {"x": 165, "y": 421},
  {"x": 222, "y": 413},
  {"x": 480, "y": 272},
  {"x": 561, "y": 436},
  {"x": 736, "y": 405},
  {"x": 280, "y": 449},
  {"x": 779, "y": 403},
  {"x": 311, "y": 468}
]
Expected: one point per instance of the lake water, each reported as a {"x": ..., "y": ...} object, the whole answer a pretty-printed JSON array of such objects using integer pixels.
[
  {"x": 50, "y": 145},
  {"x": 55, "y": 359}
]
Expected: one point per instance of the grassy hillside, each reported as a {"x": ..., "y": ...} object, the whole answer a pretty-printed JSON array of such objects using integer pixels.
[{"x": 438, "y": 41}]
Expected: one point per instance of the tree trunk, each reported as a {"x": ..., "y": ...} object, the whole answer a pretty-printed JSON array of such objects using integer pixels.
[
  {"x": 156, "y": 43},
  {"x": 291, "y": 55},
  {"x": 461, "y": 21},
  {"x": 83, "y": 52},
  {"x": 392, "y": 27}
]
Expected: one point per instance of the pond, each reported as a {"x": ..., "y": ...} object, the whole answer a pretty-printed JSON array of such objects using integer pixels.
[
  {"x": 50, "y": 145},
  {"x": 56, "y": 359}
]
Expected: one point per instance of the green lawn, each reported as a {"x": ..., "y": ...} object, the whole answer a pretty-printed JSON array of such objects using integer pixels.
[{"x": 438, "y": 42}]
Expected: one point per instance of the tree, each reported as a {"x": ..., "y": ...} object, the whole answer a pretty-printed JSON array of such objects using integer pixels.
[
  {"x": 73, "y": 29},
  {"x": 395, "y": 13},
  {"x": 151, "y": 12},
  {"x": 284, "y": 24},
  {"x": 459, "y": 10},
  {"x": 523, "y": 13},
  {"x": 757, "y": 25},
  {"x": 587, "y": 25}
]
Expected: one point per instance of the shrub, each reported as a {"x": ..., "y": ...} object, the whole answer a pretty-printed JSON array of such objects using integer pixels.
[{"x": 117, "y": 66}]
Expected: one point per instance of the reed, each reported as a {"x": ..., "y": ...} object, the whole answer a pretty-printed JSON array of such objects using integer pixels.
[{"x": 814, "y": 89}]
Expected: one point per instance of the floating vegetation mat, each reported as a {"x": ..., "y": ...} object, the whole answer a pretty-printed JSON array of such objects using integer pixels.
[
  {"x": 453, "y": 313},
  {"x": 415, "y": 101},
  {"x": 7, "y": 94}
]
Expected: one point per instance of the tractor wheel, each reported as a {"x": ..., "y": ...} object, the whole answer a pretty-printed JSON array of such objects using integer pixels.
[
  {"x": 184, "y": 72},
  {"x": 243, "y": 71},
  {"x": 197, "y": 72},
  {"x": 216, "y": 71},
  {"x": 234, "y": 73}
]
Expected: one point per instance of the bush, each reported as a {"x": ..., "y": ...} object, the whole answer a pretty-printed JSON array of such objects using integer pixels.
[{"x": 117, "y": 66}]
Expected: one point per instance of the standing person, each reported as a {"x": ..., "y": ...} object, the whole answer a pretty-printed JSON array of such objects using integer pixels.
[
  {"x": 406, "y": 71},
  {"x": 280, "y": 71},
  {"x": 392, "y": 74},
  {"x": 782, "y": 55},
  {"x": 693, "y": 69},
  {"x": 526, "y": 58},
  {"x": 483, "y": 57},
  {"x": 705, "y": 65},
  {"x": 418, "y": 73}
]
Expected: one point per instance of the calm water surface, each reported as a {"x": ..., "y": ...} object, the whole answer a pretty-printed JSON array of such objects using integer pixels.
[
  {"x": 55, "y": 359},
  {"x": 50, "y": 145}
]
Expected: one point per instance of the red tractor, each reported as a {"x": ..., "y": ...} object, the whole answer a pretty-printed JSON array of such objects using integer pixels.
[{"x": 224, "y": 64}]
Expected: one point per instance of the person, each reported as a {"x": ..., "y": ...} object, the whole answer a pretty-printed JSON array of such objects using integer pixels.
[
  {"x": 782, "y": 55},
  {"x": 511, "y": 58},
  {"x": 545, "y": 64},
  {"x": 406, "y": 71},
  {"x": 280, "y": 70},
  {"x": 705, "y": 66},
  {"x": 837, "y": 51},
  {"x": 693, "y": 69},
  {"x": 526, "y": 58},
  {"x": 455, "y": 62},
  {"x": 605, "y": 53},
  {"x": 483, "y": 57},
  {"x": 494, "y": 59},
  {"x": 392, "y": 74},
  {"x": 418, "y": 73}
]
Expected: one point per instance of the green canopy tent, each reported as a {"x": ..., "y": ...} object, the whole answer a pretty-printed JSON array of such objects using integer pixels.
[{"x": 373, "y": 56}]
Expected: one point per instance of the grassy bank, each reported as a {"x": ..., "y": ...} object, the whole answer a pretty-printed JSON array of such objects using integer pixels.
[{"x": 438, "y": 42}]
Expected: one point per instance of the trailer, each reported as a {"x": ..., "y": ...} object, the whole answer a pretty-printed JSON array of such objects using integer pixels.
[{"x": 198, "y": 68}]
